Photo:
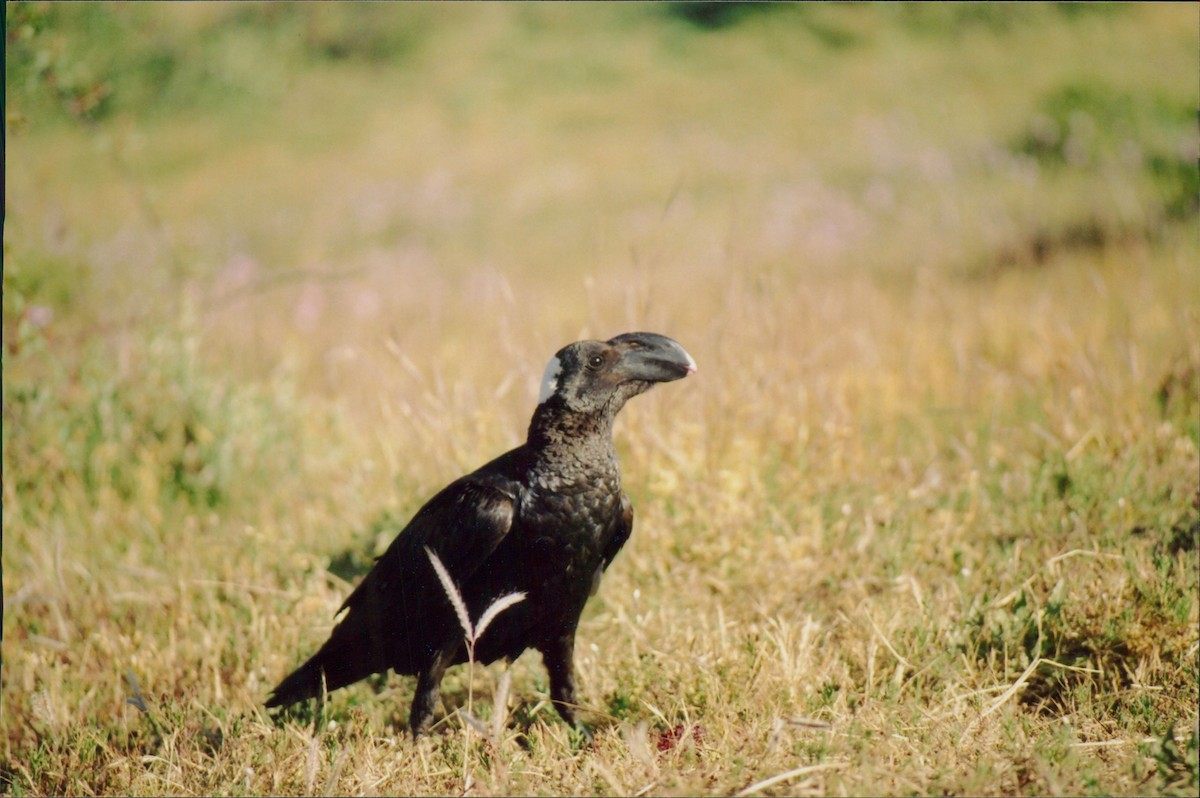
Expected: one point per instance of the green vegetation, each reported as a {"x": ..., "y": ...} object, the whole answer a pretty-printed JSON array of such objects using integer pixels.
[{"x": 925, "y": 522}]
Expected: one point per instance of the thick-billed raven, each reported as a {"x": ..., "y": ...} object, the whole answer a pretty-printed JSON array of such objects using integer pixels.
[{"x": 545, "y": 519}]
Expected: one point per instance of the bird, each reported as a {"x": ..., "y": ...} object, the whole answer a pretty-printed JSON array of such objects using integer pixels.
[{"x": 545, "y": 519}]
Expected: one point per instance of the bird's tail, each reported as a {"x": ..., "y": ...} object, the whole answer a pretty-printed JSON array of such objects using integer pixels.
[{"x": 350, "y": 654}]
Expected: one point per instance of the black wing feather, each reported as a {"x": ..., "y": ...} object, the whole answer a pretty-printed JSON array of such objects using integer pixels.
[
  {"x": 410, "y": 611},
  {"x": 399, "y": 615}
]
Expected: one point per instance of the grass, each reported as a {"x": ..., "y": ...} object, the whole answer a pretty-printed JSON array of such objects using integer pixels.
[
  {"x": 925, "y": 522},
  {"x": 471, "y": 634}
]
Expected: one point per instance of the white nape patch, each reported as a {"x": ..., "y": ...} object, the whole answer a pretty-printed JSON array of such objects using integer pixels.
[{"x": 550, "y": 379}]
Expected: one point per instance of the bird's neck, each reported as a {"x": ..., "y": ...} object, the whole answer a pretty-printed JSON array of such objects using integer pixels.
[{"x": 581, "y": 441}]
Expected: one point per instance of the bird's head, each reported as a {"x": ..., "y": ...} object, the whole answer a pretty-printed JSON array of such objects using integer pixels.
[{"x": 589, "y": 376}]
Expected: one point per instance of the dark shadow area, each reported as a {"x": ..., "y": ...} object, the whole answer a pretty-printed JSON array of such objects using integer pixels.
[
  {"x": 353, "y": 563},
  {"x": 717, "y": 14}
]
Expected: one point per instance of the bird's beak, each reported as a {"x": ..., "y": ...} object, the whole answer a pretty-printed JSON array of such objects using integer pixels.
[{"x": 650, "y": 357}]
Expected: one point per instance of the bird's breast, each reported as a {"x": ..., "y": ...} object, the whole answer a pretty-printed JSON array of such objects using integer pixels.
[
  {"x": 565, "y": 533},
  {"x": 565, "y": 521}
]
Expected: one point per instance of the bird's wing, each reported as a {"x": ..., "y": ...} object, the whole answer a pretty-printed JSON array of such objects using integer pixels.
[
  {"x": 399, "y": 615},
  {"x": 400, "y": 605},
  {"x": 462, "y": 525}
]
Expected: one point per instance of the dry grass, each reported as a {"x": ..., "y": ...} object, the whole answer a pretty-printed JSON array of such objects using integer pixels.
[{"x": 924, "y": 523}]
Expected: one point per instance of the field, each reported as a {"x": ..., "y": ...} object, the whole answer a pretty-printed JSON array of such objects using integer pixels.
[{"x": 925, "y": 521}]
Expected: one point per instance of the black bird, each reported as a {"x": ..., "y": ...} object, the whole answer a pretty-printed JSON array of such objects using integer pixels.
[{"x": 546, "y": 519}]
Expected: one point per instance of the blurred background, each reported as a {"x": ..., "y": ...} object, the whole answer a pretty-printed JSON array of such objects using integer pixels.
[
  {"x": 311, "y": 179},
  {"x": 273, "y": 269}
]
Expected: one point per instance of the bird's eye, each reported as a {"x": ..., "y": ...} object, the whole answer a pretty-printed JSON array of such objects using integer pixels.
[{"x": 595, "y": 362}]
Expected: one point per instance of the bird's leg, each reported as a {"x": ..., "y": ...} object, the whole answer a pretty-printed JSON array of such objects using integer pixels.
[
  {"x": 559, "y": 657},
  {"x": 429, "y": 683}
]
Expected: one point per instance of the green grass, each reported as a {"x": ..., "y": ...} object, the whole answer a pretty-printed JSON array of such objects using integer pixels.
[{"x": 925, "y": 522}]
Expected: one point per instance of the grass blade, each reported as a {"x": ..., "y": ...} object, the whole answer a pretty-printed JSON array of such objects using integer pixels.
[
  {"x": 500, "y": 704},
  {"x": 456, "y": 599},
  {"x": 498, "y": 606}
]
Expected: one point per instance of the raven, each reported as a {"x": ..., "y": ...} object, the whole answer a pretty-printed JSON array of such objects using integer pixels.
[{"x": 546, "y": 519}]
